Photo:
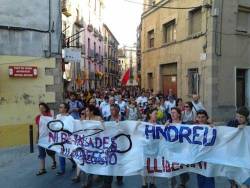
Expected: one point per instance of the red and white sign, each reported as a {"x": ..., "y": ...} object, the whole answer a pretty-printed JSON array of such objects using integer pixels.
[{"x": 23, "y": 71}]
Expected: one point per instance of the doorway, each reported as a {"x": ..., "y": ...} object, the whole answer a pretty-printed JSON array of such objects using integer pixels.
[
  {"x": 169, "y": 78},
  {"x": 240, "y": 87},
  {"x": 150, "y": 80}
]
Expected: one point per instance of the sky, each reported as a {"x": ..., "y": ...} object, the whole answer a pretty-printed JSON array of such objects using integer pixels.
[{"x": 122, "y": 18}]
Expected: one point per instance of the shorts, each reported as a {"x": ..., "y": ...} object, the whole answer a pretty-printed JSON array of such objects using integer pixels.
[{"x": 42, "y": 152}]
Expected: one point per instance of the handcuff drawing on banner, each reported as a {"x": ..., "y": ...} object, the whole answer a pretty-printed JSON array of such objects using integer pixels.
[{"x": 112, "y": 148}]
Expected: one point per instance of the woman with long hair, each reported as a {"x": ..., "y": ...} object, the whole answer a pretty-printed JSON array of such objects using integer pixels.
[
  {"x": 44, "y": 111},
  {"x": 176, "y": 121},
  {"x": 188, "y": 115},
  {"x": 151, "y": 118},
  {"x": 88, "y": 114}
]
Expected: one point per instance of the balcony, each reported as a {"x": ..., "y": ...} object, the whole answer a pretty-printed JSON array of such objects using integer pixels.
[
  {"x": 66, "y": 8},
  {"x": 105, "y": 39},
  {"x": 79, "y": 22},
  {"x": 90, "y": 28},
  {"x": 91, "y": 53},
  {"x": 101, "y": 59},
  {"x": 100, "y": 37},
  {"x": 96, "y": 56},
  {"x": 83, "y": 50},
  {"x": 105, "y": 55},
  {"x": 96, "y": 33}
]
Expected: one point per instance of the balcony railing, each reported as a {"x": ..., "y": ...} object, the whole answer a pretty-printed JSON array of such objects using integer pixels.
[
  {"x": 90, "y": 28},
  {"x": 96, "y": 56},
  {"x": 66, "y": 8},
  {"x": 96, "y": 33},
  {"x": 83, "y": 50},
  {"x": 79, "y": 22},
  {"x": 101, "y": 59},
  {"x": 91, "y": 53}
]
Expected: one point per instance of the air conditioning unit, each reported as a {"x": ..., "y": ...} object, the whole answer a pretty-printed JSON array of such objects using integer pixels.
[{"x": 215, "y": 12}]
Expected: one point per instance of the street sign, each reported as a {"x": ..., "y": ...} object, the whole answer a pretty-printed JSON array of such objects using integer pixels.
[{"x": 23, "y": 71}]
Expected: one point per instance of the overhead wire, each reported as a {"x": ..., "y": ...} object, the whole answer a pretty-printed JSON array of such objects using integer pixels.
[{"x": 160, "y": 6}]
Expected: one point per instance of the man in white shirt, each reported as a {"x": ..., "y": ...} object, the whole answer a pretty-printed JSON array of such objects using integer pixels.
[
  {"x": 64, "y": 116},
  {"x": 142, "y": 100},
  {"x": 105, "y": 108},
  {"x": 197, "y": 105},
  {"x": 170, "y": 103},
  {"x": 122, "y": 104}
]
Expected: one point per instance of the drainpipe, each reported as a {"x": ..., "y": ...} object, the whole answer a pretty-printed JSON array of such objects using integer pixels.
[
  {"x": 218, "y": 51},
  {"x": 50, "y": 28}
]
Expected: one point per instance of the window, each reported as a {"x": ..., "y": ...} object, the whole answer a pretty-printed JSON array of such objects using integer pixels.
[
  {"x": 195, "y": 21},
  {"x": 193, "y": 81},
  {"x": 169, "y": 32},
  {"x": 151, "y": 39},
  {"x": 243, "y": 19}
]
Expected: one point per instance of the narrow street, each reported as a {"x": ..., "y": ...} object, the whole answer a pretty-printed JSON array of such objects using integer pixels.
[{"x": 22, "y": 166}]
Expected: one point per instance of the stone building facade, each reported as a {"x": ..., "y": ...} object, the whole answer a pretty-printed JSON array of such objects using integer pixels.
[{"x": 202, "y": 48}]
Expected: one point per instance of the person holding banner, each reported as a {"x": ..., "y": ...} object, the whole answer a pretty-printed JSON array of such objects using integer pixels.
[
  {"x": 87, "y": 114},
  {"x": 64, "y": 113},
  {"x": 77, "y": 178},
  {"x": 176, "y": 120},
  {"x": 240, "y": 121},
  {"x": 44, "y": 111},
  {"x": 115, "y": 116},
  {"x": 151, "y": 118},
  {"x": 203, "y": 181},
  {"x": 188, "y": 115}
]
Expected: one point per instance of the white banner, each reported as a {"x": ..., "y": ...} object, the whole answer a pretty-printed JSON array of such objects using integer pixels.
[{"x": 130, "y": 148}]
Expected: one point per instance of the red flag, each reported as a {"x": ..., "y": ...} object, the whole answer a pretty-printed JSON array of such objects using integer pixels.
[{"x": 126, "y": 77}]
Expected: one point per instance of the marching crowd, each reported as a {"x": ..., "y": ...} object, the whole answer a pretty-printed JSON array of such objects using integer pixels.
[{"x": 133, "y": 104}]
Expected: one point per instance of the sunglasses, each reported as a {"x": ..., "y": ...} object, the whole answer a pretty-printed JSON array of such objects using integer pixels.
[{"x": 82, "y": 114}]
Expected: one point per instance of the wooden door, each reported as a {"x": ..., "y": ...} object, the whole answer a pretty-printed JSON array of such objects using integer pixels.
[{"x": 169, "y": 82}]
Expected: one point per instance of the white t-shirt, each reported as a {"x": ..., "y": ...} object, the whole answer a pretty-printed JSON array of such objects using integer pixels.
[
  {"x": 132, "y": 113},
  {"x": 168, "y": 105},
  {"x": 122, "y": 106},
  {"x": 105, "y": 109},
  {"x": 141, "y": 101},
  {"x": 98, "y": 101},
  {"x": 68, "y": 121},
  {"x": 188, "y": 116},
  {"x": 198, "y": 106}
]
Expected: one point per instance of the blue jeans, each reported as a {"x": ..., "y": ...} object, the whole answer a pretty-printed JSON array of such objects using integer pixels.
[
  {"x": 62, "y": 162},
  {"x": 205, "y": 182}
]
